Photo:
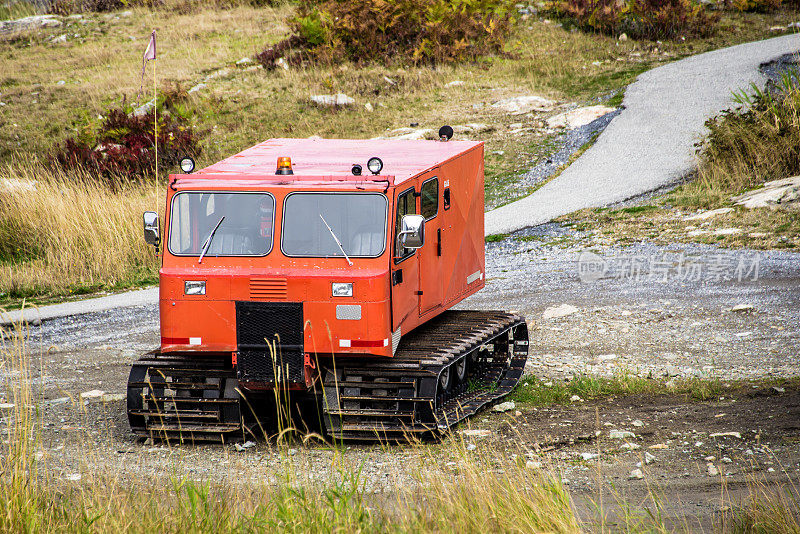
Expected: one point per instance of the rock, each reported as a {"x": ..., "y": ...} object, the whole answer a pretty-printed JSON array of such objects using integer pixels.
[
  {"x": 743, "y": 308},
  {"x": 11, "y": 185},
  {"x": 389, "y": 80},
  {"x": 530, "y": 464},
  {"x": 575, "y": 398},
  {"x": 471, "y": 447},
  {"x": 623, "y": 37},
  {"x": 144, "y": 109},
  {"x": 636, "y": 474},
  {"x": 244, "y": 62},
  {"x": 60, "y": 400},
  {"x": 59, "y": 39},
  {"x": 606, "y": 357},
  {"x": 369, "y": 107},
  {"x": 777, "y": 28},
  {"x": 783, "y": 193},
  {"x": 515, "y": 126},
  {"x": 708, "y": 214},
  {"x": 695, "y": 233},
  {"x": 113, "y": 397},
  {"x": 709, "y": 458},
  {"x": 630, "y": 446},
  {"x": 523, "y": 104},
  {"x": 658, "y": 446},
  {"x": 126, "y": 14},
  {"x": 578, "y": 117},
  {"x": 475, "y": 432},
  {"x": 726, "y": 460},
  {"x": 29, "y": 23},
  {"x": 727, "y": 231},
  {"x": 454, "y": 83},
  {"x": 725, "y": 435},
  {"x": 793, "y": 25},
  {"x": 777, "y": 389},
  {"x": 563, "y": 310},
  {"x": 339, "y": 99},
  {"x": 505, "y": 406},
  {"x": 649, "y": 458},
  {"x": 770, "y": 470},
  {"x": 244, "y": 446},
  {"x": 637, "y": 423},
  {"x": 6, "y": 405},
  {"x": 472, "y": 127},
  {"x": 74, "y": 477},
  {"x": 586, "y": 456},
  {"x": 61, "y": 82},
  {"x": 517, "y": 413},
  {"x": 196, "y": 88},
  {"x": 621, "y": 434},
  {"x": 282, "y": 63},
  {"x": 712, "y": 470},
  {"x": 93, "y": 394}
]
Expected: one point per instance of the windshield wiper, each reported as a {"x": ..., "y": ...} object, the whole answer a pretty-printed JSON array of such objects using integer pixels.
[
  {"x": 208, "y": 240},
  {"x": 336, "y": 239}
]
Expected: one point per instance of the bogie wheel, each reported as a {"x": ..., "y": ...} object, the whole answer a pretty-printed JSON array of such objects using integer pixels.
[
  {"x": 460, "y": 368},
  {"x": 444, "y": 380}
]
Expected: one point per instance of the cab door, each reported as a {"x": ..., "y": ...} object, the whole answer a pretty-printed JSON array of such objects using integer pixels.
[
  {"x": 430, "y": 255},
  {"x": 404, "y": 263}
]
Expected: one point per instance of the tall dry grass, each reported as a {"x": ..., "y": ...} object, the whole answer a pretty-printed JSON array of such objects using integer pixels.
[
  {"x": 67, "y": 233},
  {"x": 744, "y": 150}
]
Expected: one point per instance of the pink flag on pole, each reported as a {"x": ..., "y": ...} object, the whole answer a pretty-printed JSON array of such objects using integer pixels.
[{"x": 150, "y": 53}]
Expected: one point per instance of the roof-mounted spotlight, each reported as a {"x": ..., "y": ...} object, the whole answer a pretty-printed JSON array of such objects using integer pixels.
[
  {"x": 445, "y": 133},
  {"x": 187, "y": 165},
  {"x": 375, "y": 165},
  {"x": 356, "y": 169}
]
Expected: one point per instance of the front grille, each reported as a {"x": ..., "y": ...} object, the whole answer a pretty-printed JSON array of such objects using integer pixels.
[
  {"x": 269, "y": 336},
  {"x": 268, "y": 288}
]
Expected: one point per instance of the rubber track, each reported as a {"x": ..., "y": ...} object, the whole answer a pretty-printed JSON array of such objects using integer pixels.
[
  {"x": 398, "y": 399},
  {"x": 184, "y": 398}
]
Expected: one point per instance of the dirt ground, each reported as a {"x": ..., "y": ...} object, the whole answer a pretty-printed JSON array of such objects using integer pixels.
[{"x": 657, "y": 328}]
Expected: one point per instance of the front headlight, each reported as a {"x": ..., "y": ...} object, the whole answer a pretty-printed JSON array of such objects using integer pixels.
[
  {"x": 194, "y": 287},
  {"x": 341, "y": 289}
]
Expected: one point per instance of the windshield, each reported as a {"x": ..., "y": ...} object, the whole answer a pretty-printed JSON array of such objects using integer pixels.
[
  {"x": 357, "y": 220},
  {"x": 246, "y": 229}
]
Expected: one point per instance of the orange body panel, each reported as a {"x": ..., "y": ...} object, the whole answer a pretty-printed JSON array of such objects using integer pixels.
[{"x": 394, "y": 296}]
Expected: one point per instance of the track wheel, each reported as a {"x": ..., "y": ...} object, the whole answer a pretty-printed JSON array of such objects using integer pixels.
[
  {"x": 444, "y": 380},
  {"x": 460, "y": 369}
]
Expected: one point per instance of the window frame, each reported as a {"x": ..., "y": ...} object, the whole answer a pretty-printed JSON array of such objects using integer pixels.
[
  {"x": 398, "y": 226},
  {"x": 436, "y": 178},
  {"x": 373, "y": 193},
  {"x": 220, "y": 192}
]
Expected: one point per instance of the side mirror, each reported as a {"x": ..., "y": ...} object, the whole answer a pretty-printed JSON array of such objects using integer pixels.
[
  {"x": 412, "y": 234},
  {"x": 152, "y": 232}
]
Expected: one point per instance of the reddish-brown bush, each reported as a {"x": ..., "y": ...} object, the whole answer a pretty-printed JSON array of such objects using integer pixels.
[
  {"x": 123, "y": 146},
  {"x": 380, "y": 30},
  {"x": 639, "y": 19}
]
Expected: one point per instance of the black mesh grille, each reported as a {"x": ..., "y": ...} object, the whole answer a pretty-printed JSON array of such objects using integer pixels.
[{"x": 280, "y": 324}]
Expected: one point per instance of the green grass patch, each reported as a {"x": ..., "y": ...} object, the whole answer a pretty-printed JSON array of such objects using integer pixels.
[{"x": 494, "y": 238}]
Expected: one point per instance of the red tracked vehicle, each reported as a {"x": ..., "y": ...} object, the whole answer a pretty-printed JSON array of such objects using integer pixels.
[{"x": 331, "y": 276}]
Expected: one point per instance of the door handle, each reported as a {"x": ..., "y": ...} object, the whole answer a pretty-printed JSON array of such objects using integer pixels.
[{"x": 439, "y": 242}]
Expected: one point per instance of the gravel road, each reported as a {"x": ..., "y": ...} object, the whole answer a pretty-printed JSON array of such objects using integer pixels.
[{"x": 651, "y": 143}]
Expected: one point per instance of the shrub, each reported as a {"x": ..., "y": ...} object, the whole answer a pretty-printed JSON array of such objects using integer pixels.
[
  {"x": 640, "y": 19},
  {"x": 760, "y": 5},
  {"x": 68, "y": 7},
  {"x": 123, "y": 146},
  {"x": 432, "y": 31}
]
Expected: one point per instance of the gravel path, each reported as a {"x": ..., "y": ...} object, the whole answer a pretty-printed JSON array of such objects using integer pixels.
[{"x": 651, "y": 143}]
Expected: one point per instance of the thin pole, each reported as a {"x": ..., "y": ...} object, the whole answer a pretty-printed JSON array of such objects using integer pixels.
[{"x": 155, "y": 124}]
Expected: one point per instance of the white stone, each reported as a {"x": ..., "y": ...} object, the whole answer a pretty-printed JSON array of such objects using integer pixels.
[
  {"x": 471, "y": 447},
  {"x": 649, "y": 458},
  {"x": 144, "y": 109},
  {"x": 505, "y": 406},
  {"x": 708, "y": 214},
  {"x": 280, "y": 62},
  {"x": 369, "y": 107},
  {"x": 74, "y": 477},
  {"x": 637, "y": 423},
  {"x": 743, "y": 308},
  {"x": 339, "y": 99},
  {"x": 244, "y": 446},
  {"x": 586, "y": 456},
  {"x": 726, "y": 435},
  {"x": 578, "y": 117},
  {"x": 630, "y": 446},
  {"x": 6, "y": 405},
  {"x": 244, "y": 61},
  {"x": 773, "y": 194},
  {"x": 562, "y": 310},
  {"x": 454, "y": 83},
  {"x": 29, "y": 23},
  {"x": 575, "y": 398},
  {"x": 113, "y": 397},
  {"x": 523, "y": 104},
  {"x": 93, "y": 394},
  {"x": 727, "y": 231},
  {"x": 621, "y": 434},
  {"x": 623, "y": 37},
  {"x": 636, "y": 474},
  {"x": 712, "y": 470},
  {"x": 530, "y": 464},
  {"x": 475, "y": 432},
  {"x": 196, "y": 88}
]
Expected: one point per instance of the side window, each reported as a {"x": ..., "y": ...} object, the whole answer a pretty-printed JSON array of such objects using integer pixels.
[
  {"x": 405, "y": 205},
  {"x": 429, "y": 201}
]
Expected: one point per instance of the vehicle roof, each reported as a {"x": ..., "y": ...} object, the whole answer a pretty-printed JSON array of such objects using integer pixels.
[{"x": 316, "y": 158}]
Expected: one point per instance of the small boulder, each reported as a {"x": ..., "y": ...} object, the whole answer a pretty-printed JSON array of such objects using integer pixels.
[
  {"x": 339, "y": 99},
  {"x": 636, "y": 474},
  {"x": 562, "y": 310},
  {"x": 454, "y": 83},
  {"x": 621, "y": 434},
  {"x": 505, "y": 406},
  {"x": 578, "y": 117},
  {"x": 519, "y": 105},
  {"x": 743, "y": 308}
]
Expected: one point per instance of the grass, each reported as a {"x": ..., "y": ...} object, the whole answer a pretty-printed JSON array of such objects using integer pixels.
[{"x": 66, "y": 234}]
